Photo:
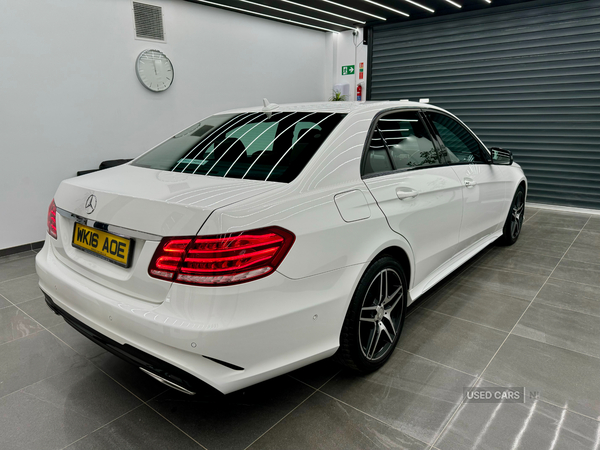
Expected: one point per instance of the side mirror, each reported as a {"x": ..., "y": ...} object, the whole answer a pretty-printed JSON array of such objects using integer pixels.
[{"x": 501, "y": 156}]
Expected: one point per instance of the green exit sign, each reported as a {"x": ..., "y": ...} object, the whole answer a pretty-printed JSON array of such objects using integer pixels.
[{"x": 348, "y": 70}]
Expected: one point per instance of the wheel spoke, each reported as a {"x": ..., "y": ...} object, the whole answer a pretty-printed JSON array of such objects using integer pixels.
[
  {"x": 391, "y": 308},
  {"x": 387, "y": 287},
  {"x": 391, "y": 297},
  {"x": 389, "y": 318},
  {"x": 365, "y": 317},
  {"x": 373, "y": 343},
  {"x": 387, "y": 331}
]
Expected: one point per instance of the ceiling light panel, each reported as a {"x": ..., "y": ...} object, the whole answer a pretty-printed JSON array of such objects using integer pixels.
[
  {"x": 285, "y": 11},
  {"x": 354, "y": 9},
  {"x": 455, "y": 4},
  {"x": 387, "y": 7},
  {"x": 324, "y": 12},
  {"x": 420, "y": 6},
  {"x": 255, "y": 13}
]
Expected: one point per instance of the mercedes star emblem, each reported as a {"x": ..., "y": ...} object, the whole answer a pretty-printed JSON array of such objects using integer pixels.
[{"x": 90, "y": 204}]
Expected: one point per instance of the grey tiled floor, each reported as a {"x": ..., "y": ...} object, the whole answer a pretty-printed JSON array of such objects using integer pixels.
[{"x": 526, "y": 315}]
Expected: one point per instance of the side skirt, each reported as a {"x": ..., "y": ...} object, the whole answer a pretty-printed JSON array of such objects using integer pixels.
[{"x": 451, "y": 265}]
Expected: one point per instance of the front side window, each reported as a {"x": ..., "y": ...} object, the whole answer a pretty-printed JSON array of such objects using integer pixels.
[
  {"x": 459, "y": 145},
  {"x": 399, "y": 141},
  {"x": 257, "y": 146}
]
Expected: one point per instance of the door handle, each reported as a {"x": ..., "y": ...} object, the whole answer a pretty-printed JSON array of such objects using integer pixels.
[
  {"x": 404, "y": 193},
  {"x": 469, "y": 182}
]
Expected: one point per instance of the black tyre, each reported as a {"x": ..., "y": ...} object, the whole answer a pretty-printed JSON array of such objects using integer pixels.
[
  {"x": 375, "y": 317},
  {"x": 514, "y": 221}
]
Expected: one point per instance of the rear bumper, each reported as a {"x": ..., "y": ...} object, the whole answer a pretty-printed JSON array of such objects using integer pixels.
[
  {"x": 227, "y": 337},
  {"x": 128, "y": 353}
]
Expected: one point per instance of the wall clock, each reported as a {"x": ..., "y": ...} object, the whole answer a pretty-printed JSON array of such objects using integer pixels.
[{"x": 154, "y": 70}]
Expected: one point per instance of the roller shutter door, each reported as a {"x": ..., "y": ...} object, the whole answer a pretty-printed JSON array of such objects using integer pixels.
[{"x": 525, "y": 77}]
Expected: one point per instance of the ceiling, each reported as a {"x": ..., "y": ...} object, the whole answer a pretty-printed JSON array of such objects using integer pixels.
[{"x": 342, "y": 15}]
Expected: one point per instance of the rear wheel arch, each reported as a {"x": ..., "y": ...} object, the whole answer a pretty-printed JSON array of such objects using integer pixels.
[{"x": 400, "y": 255}]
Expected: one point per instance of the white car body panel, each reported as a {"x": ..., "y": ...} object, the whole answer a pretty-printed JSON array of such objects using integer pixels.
[
  {"x": 430, "y": 221},
  {"x": 293, "y": 316}
]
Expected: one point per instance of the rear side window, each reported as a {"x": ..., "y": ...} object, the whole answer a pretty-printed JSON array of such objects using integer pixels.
[
  {"x": 256, "y": 146},
  {"x": 400, "y": 141},
  {"x": 459, "y": 145}
]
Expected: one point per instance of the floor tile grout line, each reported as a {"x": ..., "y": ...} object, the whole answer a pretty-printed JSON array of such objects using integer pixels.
[
  {"x": 529, "y": 252},
  {"x": 514, "y": 270},
  {"x": 554, "y": 404},
  {"x": 436, "y": 363},
  {"x": 576, "y": 282},
  {"x": 372, "y": 417},
  {"x": 465, "y": 320},
  {"x": 29, "y": 385},
  {"x": 579, "y": 261},
  {"x": 526, "y": 273},
  {"x": 83, "y": 356},
  {"x": 17, "y": 278},
  {"x": 110, "y": 377},
  {"x": 357, "y": 409},
  {"x": 471, "y": 284},
  {"x": 99, "y": 428},
  {"x": 17, "y": 258},
  {"x": 312, "y": 387},
  {"x": 159, "y": 414},
  {"x": 558, "y": 346},
  {"x": 280, "y": 420},
  {"x": 330, "y": 378},
  {"x": 554, "y": 305},
  {"x": 7, "y": 300},
  {"x": 506, "y": 338},
  {"x": 506, "y": 270},
  {"x": 529, "y": 218},
  {"x": 16, "y": 306}
]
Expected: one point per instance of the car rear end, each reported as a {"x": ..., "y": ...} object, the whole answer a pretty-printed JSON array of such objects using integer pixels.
[{"x": 125, "y": 261}]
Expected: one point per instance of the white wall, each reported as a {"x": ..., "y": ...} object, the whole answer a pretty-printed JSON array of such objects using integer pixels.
[
  {"x": 344, "y": 56},
  {"x": 69, "y": 96}
]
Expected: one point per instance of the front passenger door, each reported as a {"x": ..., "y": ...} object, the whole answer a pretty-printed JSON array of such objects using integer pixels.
[{"x": 420, "y": 197}]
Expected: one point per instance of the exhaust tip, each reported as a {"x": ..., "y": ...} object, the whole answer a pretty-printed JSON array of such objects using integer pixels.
[{"x": 168, "y": 382}]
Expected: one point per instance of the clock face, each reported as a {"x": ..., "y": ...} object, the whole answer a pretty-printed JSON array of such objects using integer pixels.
[{"x": 154, "y": 70}]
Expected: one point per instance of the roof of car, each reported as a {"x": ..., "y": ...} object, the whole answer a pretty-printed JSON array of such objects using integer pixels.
[{"x": 333, "y": 107}]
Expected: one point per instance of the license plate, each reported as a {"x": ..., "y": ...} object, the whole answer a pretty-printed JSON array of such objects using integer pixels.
[{"x": 108, "y": 246}]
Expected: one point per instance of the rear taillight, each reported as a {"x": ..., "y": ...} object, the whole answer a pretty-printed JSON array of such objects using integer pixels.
[
  {"x": 51, "y": 221},
  {"x": 221, "y": 260}
]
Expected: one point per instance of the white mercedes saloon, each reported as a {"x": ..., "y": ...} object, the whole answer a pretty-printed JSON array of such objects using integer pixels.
[{"x": 260, "y": 240}]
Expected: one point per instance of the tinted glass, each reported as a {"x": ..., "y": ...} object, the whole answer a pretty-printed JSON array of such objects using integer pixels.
[
  {"x": 400, "y": 141},
  {"x": 257, "y": 146},
  {"x": 461, "y": 146}
]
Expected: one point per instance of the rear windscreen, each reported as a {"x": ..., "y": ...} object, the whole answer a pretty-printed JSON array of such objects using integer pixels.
[{"x": 257, "y": 146}]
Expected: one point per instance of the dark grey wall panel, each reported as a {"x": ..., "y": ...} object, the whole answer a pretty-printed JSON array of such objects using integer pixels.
[{"x": 524, "y": 77}]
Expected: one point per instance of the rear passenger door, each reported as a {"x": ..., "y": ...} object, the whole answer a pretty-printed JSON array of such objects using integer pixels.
[
  {"x": 484, "y": 184},
  {"x": 420, "y": 197}
]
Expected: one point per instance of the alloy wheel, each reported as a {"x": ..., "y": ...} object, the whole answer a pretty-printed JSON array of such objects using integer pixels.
[
  {"x": 516, "y": 221},
  {"x": 380, "y": 315}
]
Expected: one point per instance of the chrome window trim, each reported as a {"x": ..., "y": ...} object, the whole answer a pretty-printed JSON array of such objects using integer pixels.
[{"x": 113, "y": 229}]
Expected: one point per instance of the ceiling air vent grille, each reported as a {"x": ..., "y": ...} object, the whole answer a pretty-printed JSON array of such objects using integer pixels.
[{"x": 148, "y": 21}]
